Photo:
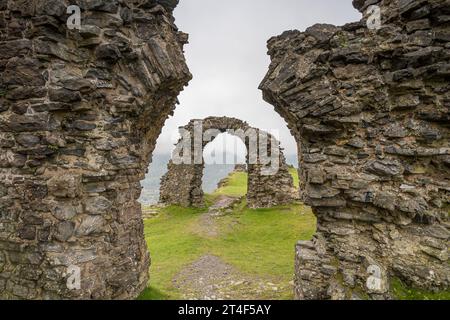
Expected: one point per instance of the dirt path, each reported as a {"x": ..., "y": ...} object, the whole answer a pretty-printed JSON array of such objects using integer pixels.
[
  {"x": 210, "y": 278},
  {"x": 207, "y": 224}
]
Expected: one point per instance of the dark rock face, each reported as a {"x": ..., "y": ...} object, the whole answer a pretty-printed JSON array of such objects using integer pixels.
[
  {"x": 182, "y": 185},
  {"x": 80, "y": 112},
  {"x": 370, "y": 111}
]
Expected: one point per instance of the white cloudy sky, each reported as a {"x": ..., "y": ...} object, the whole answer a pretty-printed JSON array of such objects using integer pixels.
[{"x": 227, "y": 56}]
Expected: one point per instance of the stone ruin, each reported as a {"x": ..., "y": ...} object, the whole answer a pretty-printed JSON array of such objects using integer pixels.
[
  {"x": 182, "y": 185},
  {"x": 240, "y": 168},
  {"x": 80, "y": 112},
  {"x": 370, "y": 110}
]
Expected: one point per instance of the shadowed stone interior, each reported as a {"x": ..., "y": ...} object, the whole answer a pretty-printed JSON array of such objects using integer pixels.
[{"x": 182, "y": 185}]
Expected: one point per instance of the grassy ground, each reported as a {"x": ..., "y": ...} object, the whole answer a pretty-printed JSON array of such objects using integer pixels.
[
  {"x": 258, "y": 242},
  {"x": 294, "y": 174},
  {"x": 402, "y": 292},
  {"x": 236, "y": 186}
]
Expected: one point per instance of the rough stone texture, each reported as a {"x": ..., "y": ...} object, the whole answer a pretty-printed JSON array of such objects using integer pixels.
[
  {"x": 240, "y": 168},
  {"x": 370, "y": 111},
  {"x": 80, "y": 112},
  {"x": 182, "y": 185}
]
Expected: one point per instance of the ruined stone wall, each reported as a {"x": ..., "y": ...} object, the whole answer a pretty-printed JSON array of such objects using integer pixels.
[
  {"x": 182, "y": 185},
  {"x": 370, "y": 110},
  {"x": 80, "y": 112}
]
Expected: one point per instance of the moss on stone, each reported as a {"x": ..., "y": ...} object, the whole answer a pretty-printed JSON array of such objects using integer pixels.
[{"x": 401, "y": 291}]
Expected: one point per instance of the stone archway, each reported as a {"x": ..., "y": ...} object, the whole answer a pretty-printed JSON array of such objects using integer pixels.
[
  {"x": 80, "y": 112},
  {"x": 182, "y": 185},
  {"x": 370, "y": 112}
]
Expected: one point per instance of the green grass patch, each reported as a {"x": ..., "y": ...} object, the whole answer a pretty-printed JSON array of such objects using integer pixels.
[
  {"x": 403, "y": 292},
  {"x": 294, "y": 173},
  {"x": 172, "y": 245},
  {"x": 257, "y": 242},
  {"x": 236, "y": 186},
  {"x": 153, "y": 294},
  {"x": 262, "y": 242}
]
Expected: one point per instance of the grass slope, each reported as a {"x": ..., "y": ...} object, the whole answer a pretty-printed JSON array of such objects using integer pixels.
[
  {"x": 294, "y": 173},
  {"x": 258, "y": 242},
  {"x": 236, "y": 186}
]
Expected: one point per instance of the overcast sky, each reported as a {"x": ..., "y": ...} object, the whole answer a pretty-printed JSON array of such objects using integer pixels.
[{"x": 227, "y": 56}]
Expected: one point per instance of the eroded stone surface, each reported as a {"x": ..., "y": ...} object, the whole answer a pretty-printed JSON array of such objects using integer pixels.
[
  {"x": 80, "y": 112},
  {"x": 182, "y": 185},
  {"x": 370, "y": 112}
]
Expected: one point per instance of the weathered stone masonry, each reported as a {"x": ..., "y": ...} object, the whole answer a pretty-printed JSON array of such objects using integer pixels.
[
  {"x": 370, "y": 111},
  {"x": 80, "y": 112},
  {"x": 182, "y": 185}
]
